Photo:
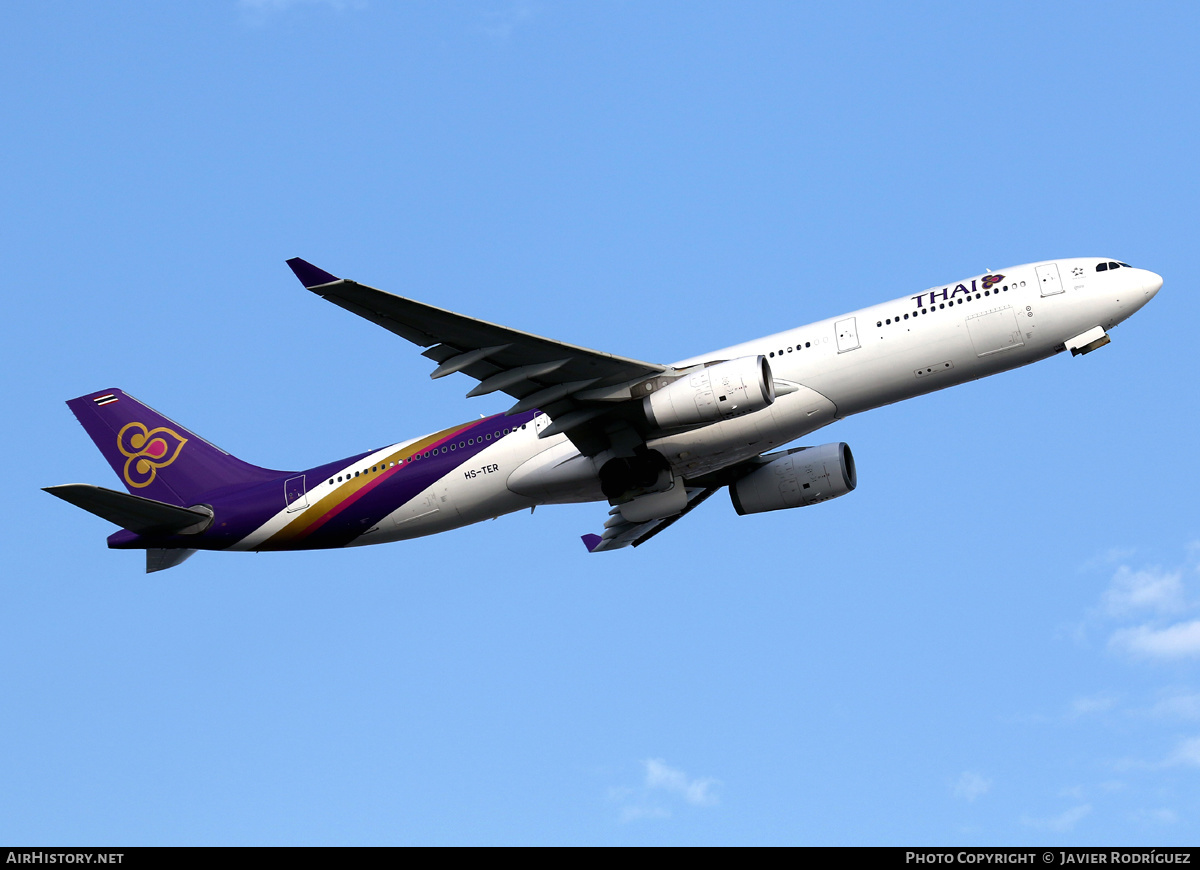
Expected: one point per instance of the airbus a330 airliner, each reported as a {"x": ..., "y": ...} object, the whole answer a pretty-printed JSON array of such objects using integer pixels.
[{"x": 653, "y": 441}]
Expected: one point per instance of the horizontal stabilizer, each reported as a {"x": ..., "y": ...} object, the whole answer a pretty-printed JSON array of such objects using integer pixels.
[{"x": 140, "y": 515}]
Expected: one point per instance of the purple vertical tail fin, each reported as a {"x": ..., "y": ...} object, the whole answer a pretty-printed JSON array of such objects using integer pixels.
[{"x": 154, "y": 456}]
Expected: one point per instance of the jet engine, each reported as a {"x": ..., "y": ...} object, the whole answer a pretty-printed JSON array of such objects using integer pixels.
[
  {"x": 802, "y": 476},
  {"x": 714, "y": 392}
]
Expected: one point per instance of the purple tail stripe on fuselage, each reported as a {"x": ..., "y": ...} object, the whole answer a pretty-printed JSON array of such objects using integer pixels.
[{"x": 157, "y": 458}]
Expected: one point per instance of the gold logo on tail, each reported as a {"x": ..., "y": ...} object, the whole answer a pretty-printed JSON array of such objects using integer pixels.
[{"x": 147, "y": 450}]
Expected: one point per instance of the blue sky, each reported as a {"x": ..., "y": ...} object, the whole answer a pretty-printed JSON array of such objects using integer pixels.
[{"x": 994, "y": 640}]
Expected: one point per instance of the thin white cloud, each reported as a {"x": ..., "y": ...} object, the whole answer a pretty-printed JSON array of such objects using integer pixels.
[
  {"x": 1108, "y": 557},
  {"x": 1152, "y": 603},
  {"x": 284, "y": 5},
  {"x": 1148, "y": 589},
  {"x": 1180, "y": 705},
  {"x": 1088, "y": 705},
  {"x": 257, "y": 11},
  {"x": 1080, "y": 793},
  {"x": 698, "y": 792},
  {"x": 971, "y": 786},
  {"x": 501, "y": 23},
  {"x": 1151, "y": 614},
  {"x": 1159, "y": 816},
  {"x": 1178, "y": 641},
  {"x": 1063, "y": 822},
  {"x": 663, "y": 789},
  {"x": 636, "y": 813},
  {"x": 1186, "y": 754}
]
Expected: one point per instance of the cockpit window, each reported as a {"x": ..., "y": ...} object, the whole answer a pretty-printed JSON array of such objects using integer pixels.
[
  {"x": 1126, "y": 265},
  {"x": 1102, "y": 267},
  {"x": 1114, "y": 265}
]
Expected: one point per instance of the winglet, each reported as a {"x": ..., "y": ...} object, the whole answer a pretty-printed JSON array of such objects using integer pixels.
[
  {"x": 591, "y": 542},
  {"x": 310, "y": 275}
]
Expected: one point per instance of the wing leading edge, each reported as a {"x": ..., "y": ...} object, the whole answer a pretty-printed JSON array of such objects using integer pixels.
[{"x": 575, "y": 386}]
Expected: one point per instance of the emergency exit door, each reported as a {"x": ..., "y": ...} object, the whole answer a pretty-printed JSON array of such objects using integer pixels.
[
  {"x": 847, "y": 335},
  {"x": 1048, "y": 279}
]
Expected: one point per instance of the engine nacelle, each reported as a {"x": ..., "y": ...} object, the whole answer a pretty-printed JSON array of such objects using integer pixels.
[
  {"x": 716, "y": 392},
  {"x": 802, "y": 476}
]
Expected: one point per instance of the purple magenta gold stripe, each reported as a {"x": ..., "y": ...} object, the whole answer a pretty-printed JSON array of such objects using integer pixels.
[{"x": 350, "y": 492}]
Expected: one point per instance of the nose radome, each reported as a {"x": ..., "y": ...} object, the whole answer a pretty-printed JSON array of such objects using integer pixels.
[{"x": 1152, "y": 284}]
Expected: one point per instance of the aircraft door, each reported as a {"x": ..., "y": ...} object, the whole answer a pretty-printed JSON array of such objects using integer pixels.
[
  {"x": 295, "y": 496},
  {"x": 847, "y": 335},
  {"x": 1048, "y": 278}
]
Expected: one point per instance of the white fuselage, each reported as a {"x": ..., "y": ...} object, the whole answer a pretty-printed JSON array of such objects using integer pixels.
[{"x": 823, "y": 371}]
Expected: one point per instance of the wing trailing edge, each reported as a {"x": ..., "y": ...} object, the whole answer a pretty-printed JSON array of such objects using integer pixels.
[
  {"x": 587, "y": 392},
  {"x": 619, "y": 532}
]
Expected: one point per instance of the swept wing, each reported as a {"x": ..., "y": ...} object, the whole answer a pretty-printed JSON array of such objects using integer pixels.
[{"x": 581, "y": 390}]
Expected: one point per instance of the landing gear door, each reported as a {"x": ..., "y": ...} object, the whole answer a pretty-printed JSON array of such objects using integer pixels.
[
  {"x": 1048, "y": 278},
  {"x": 847, "y": 335}
]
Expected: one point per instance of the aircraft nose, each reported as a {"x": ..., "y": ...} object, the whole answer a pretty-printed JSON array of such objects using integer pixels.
[{"x": 1152, "y": 284}]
